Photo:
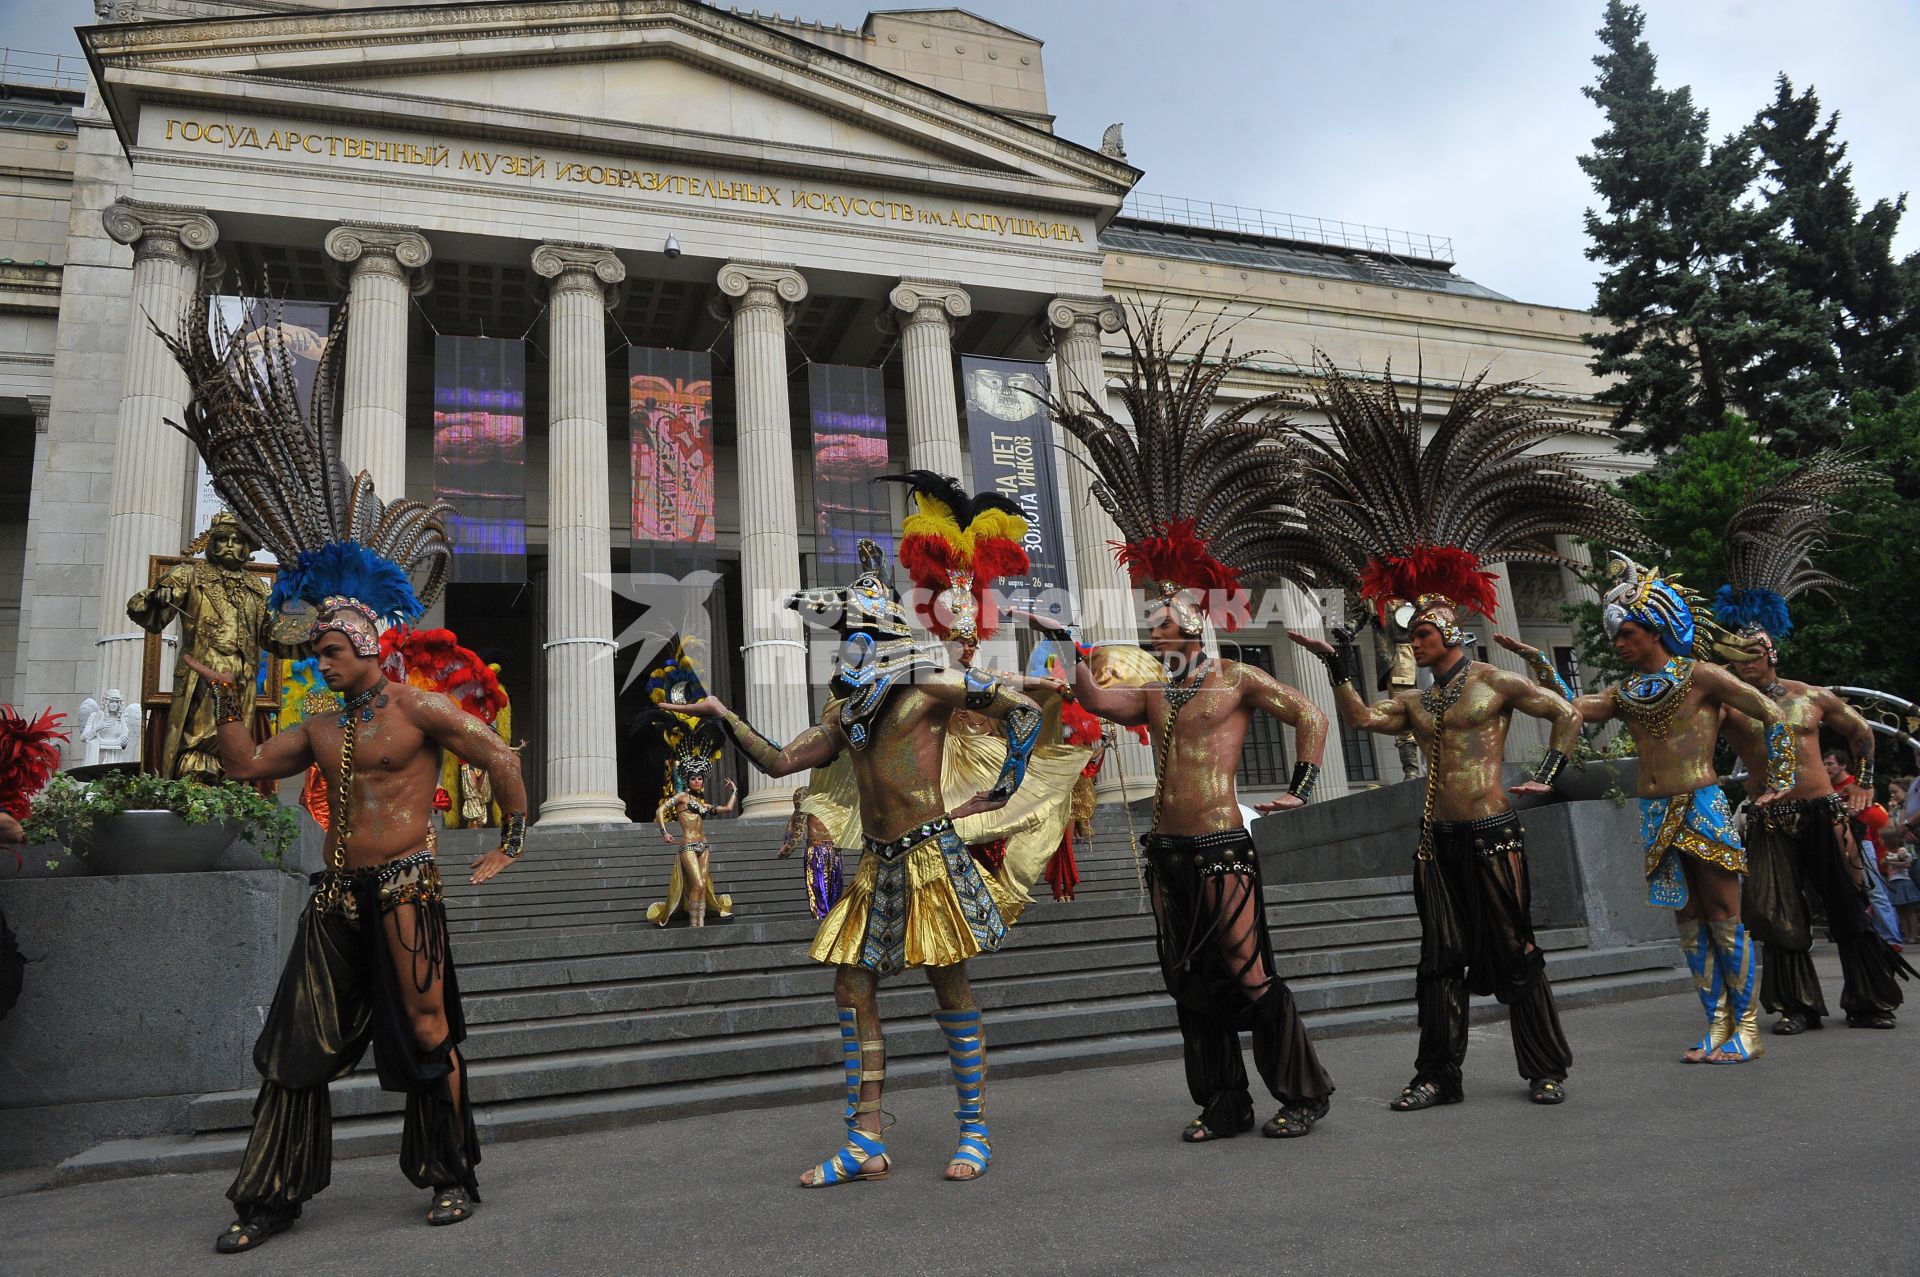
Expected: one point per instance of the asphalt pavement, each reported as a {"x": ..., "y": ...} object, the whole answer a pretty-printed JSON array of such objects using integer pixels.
[{"x": 1807, "y": 1160}]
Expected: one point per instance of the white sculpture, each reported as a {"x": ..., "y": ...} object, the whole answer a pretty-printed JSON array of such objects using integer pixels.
[{"x": 110, "y": 732}]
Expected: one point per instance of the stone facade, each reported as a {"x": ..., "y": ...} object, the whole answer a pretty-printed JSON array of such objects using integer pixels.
[{"x": 654, "y": 172}]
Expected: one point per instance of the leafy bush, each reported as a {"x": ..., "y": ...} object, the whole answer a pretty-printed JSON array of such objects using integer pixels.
[{"x": 65, "y": 811}]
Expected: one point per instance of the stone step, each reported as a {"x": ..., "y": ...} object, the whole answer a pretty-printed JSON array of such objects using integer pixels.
[
  {"x": 797, "y": 1034},
  {"x": 556, "y": 1115}
]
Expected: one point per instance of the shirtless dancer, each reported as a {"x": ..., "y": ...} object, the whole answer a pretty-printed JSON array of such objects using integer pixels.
[
  {"x": 371, "y": 961},
  {"x": 1470, "y": 871}
]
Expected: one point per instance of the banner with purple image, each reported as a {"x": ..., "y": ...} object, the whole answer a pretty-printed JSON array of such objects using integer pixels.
[
  {"x": 480, "y": 454},
  {"x": 849, "y": 415}
]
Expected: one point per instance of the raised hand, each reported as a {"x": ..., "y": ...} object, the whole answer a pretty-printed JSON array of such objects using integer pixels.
[
  {"x": 705, "y": 707},
  {"x": 1319, "y": 647},
  {"x": 1515, "y": 646},
  {"x": 200, "y": 669},
  {"x": 1038, "y": 622}
]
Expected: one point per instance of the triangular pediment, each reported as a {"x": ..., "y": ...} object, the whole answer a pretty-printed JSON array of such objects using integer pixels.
[{"x": 660, "y": 78}]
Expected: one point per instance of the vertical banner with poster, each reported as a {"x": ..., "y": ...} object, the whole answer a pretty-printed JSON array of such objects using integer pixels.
[
  {"x": 849, "y": 414},
  {"x": 304, "y": 329},
  {"x": 480, "y": 454},
  {"x": 1010, "y": 439},
  {"x": 670, "y": 432}
]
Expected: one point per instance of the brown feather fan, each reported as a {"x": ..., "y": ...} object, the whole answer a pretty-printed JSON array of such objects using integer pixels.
[{"x": 1773, "y": 536}]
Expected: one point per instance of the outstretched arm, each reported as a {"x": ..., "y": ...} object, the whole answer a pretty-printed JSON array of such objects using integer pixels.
[
  {"x": 1389, "y": 717},
  {"x": 733, "y": 799},
  {"x": 1535, "y": 700},
  {"x": 286, "y": 754},
  {"x": 1290, "y": 705},
  {"x": 1844, "y": 719},
  {"x": 1126, "y": 706},
  {"x": 472, "y": 741},
  {"x": 814, "y": 747},
  {"x": 995, "y": 699}
]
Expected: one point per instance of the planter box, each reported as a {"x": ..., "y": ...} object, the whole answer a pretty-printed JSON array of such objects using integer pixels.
[
  {"x": 1603, "y": 778},
  {"x": 147, "y": 842}
]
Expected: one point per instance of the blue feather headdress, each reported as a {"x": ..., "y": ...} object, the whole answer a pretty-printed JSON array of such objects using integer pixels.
[
  {"x": 1771, "y": 541},
  {"x": 277, "y": 467}
]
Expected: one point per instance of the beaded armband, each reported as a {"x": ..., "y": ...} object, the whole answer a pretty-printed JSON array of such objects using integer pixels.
[
  {"x": 1863, "y": 772},
  {"x": 1550, "y": 768},
  {"x": 1780, "y": 763},
  {"x": 981, "y": 688},
  {"x": 1549, "y": 678},
  {"x": 1023, "y": 730},
  {"x": 226, "y": 700},
  {"x": 1305, "y": 776},
  {"x": 762, "y": 752},
  {"x": 513, "y": 834},
  {"x": 1339, "y": 673}
]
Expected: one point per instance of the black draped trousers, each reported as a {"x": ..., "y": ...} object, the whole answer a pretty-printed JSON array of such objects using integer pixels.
[
  {"x": 1795, "y": 859},
  {"x": 1476, "y": 936},
  {"x": 339, "y": 992},
  {"x": 1217, "y": 959}
]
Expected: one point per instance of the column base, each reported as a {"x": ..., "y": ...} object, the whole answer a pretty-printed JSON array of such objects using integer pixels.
[{"x": 584, "y": 809}]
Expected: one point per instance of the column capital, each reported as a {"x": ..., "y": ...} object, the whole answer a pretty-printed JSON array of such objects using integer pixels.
[
  {"x": 922, "y": 301},
  {"x": 168, "y": 231},
  {"x": 583, "y": 268},
  {"x": 753, "y": 285},
  {"x": 371, "y": 248},
  {"x": 1101, "y": 314},
  {"x": 41, "y": 406}
]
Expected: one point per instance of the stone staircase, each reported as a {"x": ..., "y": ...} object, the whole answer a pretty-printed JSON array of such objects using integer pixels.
[{"x": 582, "y": 1015}]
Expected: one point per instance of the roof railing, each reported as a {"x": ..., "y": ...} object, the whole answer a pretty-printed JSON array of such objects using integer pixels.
[
  {"x": 1178, "y": 210},
  {"x": 28, "y": 69}
]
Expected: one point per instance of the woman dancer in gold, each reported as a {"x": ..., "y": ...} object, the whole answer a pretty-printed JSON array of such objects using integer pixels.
[{"x": 689, "y": 807}]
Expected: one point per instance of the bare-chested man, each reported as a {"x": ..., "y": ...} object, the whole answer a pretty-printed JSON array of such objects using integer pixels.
[
  {"x": 1209, "y": 910},
  {"x": 690, "y": 808},
  {"x": 1800, "y": 849},
  {"x": 371, "y": 962},
  {"x": 1671, "y": 705},
  {"x": 917, "y": 899},
  {"x": 1470, "y": 871}
]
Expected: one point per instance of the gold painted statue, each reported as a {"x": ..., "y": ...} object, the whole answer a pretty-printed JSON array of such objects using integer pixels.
[{"x": 222, "y": 609}]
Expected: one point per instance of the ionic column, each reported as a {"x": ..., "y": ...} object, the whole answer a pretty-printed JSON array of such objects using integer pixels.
[
  {"x": 1294, "y": 665},
  {"x": 1103, "y": 600},
  {"x": 152, "y": 462},
  {"x": 775, "y": 652},
  {"x": 1527, "y": 736},
  {"x": 582, "y": 761},
  {"x": 386, "y": 267},
  {"x": 926, "y": 311}
]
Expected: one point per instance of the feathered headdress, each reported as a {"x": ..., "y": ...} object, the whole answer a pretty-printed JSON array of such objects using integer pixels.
[
  {"x": 435, "y": 661},
  {"x": 345, "y": 555},
  {"x": 1200, "y": 499},
  {"x": 1418, "y": 520},
  {"x": 1771, "y": 541},
  {"x": 1654, "y": 601},
  {"x": 955, "y": 547},
  {"x": 28, "y": 758}
]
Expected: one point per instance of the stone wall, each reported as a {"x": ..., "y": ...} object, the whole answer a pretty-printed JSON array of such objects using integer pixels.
[{"x": 142, "y": 991}]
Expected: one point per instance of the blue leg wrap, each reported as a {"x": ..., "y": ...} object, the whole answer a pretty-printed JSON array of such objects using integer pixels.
[{"x": 967, "y": 1058}]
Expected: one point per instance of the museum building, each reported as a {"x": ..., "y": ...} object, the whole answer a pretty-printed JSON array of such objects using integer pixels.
[{"x": 649, "y": 290}]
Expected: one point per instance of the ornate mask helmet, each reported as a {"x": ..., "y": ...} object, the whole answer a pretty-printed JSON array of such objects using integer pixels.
[{"x": 867, "y": 606}]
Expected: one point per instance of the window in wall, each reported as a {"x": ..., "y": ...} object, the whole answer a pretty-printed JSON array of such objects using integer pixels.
[
  {"x": 1263, "y": 758},
  {"x": 1567, "y": 661}
]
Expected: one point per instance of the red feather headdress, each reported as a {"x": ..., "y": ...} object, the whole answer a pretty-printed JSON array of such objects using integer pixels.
[
  {"x": 28, "y": 758},
  {"x": 950, "y": 539},
  {"x": 434, "y": 660}
]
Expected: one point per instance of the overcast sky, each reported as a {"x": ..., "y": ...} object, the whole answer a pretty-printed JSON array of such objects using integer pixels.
[{"x": 1459, "y": 119}]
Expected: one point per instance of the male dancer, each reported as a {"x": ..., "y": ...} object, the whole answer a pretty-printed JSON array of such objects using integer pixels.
[
  {"x": 1470, "y": 872},
  {"x": 1800, "y": 849},
  {"x": 917, "y": 899},
  {"x": 1672, "y": 705},
  {"x": 1209, "y": 909},
  {"x": 372, "y": 960}
]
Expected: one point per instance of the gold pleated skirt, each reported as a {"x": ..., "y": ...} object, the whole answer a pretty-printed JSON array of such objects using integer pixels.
[{"x": 929, "y": 906}]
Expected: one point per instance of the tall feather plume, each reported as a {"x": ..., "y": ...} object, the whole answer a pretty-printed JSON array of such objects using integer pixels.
[
  {"x": 1775, "y": 534},
  {"x": 1406, "y": 515},
  {"x": 1199, "y": 498},
  {"x": 277, "y": 467}
]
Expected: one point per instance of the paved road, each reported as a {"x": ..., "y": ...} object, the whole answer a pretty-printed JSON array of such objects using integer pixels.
[{"x": 1806, "y": 1160}]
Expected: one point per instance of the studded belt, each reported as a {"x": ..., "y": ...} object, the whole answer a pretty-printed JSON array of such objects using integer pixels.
[{"x": 898, "y": 847}]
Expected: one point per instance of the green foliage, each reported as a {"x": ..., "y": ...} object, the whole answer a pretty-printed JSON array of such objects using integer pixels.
[
  {"x": 1738, "y": 276},
  {"x": 65, "y": 811}
]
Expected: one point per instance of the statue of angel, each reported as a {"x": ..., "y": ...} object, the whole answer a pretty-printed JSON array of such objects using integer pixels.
[{"x": 110, "y": 732}]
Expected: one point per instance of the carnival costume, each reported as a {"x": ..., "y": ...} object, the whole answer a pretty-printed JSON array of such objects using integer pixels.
[
  {"x": 1199, "y": 504},
  {"x": 1796, "y": 851},
  {"x": 696, "y": 755},
  {"x": 1411, "y": 526},
  {"x": 918, "y": 899},
  {"x": 1699, "y": 824},
  {"x": 822, "y": 860},
  {"x": 345, "y": 559}
]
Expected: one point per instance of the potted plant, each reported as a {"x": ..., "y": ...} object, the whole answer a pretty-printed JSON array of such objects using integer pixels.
[
  {"x": 1611, "y": 771},
  {"x": 126, "y": 823}
]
